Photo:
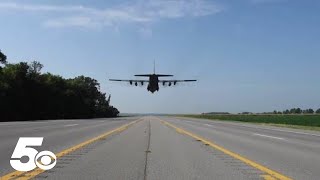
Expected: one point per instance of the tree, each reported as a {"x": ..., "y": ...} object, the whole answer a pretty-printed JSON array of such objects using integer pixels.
[
  {"x": 26, "y": 93},
  {"x": 35, "y": 67},
  {"x": 286, "y": 112},
  {"x": 292, "y": 111},
  {"x": 14, "y": 85},
  {"x": 295, "y": 111},
  {"x": 3, "y": 58},
  {"x": 308, "y": 111},
  {"x": 318, "y": 111},
  {"x": 298, "y": 111}
]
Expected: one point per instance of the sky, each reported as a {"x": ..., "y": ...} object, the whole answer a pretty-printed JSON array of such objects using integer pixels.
[{"x": 248, "y": 55}]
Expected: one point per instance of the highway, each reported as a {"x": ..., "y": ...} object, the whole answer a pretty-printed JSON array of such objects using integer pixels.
[{"x": 159, "y": 147}]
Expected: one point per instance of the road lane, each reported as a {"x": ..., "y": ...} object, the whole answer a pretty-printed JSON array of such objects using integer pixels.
[
  {"x": 56, "y": 136},
  {"x": 151, "y": 149},
  {"x": 300, "y": 137},
  {"x": 122, "y": 156},
  {"x": 295, "y": 155},
  {"x": 176, "y": 156},
  {"x": 287, "y": 131}
]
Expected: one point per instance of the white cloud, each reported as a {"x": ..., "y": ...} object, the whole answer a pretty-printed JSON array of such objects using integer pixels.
[
  {"x": 72, "y": 21},
  {"x": 44, "y": 8},
  {"x": 139, "y": 11}
]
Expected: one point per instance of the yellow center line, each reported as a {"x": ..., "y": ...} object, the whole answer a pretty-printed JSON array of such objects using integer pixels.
[
  {"x": 271, "y": 174},
  {"x": 31, "y": 174},
  {"x": 268, "y": 177}
]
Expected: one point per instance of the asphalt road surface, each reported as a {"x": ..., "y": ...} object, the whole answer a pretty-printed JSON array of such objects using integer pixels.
[{"x": 165, "y": 148}]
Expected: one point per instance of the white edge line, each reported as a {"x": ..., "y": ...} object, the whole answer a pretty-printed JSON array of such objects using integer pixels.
[
  {"x": 273, "y": 137},
  {"x": 70, "y": 125},
  {"x": 281, "y": 130}
]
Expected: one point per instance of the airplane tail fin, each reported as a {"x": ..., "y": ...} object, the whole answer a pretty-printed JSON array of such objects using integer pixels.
[{"x": 154, "y": 73}]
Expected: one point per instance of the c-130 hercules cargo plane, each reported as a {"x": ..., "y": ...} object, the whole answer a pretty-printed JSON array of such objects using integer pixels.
[{"x": 153, "y": 82}]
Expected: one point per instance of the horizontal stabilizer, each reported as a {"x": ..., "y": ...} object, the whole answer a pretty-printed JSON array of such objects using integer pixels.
[
  {"x": 158, "y": 75},
  {"x": 163, "y": 75},
  {"x": 129, "y": 80},
  {"x": 175, "y": 81},
  {"x": 188, "y": 80}
]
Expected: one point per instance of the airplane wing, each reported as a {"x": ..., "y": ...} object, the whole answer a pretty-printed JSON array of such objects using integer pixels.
[
  {"x": 174, "y": 82},
  {"x": 135, "y": 82}
]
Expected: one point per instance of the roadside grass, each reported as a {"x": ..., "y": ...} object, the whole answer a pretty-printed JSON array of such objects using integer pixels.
[{"x": 307, "y": 122}]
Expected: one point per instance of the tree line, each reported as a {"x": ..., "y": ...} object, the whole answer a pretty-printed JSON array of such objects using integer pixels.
[
  {"x": 297, "y": 111},
  {"x": 292, "y": 111},
  {"x": 28, "y": 94}
]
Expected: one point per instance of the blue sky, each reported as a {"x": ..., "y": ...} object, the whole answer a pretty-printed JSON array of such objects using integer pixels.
[{"x": 248, "y": 55}]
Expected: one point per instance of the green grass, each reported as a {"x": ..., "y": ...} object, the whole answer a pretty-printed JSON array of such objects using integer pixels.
[{"x": 284, "y": 120}]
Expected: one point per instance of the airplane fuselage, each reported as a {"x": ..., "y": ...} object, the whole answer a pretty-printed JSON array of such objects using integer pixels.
[
  {"x": 153, "y": 82},
  {"x": 153, "y": 85}
]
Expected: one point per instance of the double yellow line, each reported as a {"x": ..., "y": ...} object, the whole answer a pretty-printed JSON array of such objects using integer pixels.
[
  {"x": 270, "y": 174},
  {"x": 31, "y": 174}
]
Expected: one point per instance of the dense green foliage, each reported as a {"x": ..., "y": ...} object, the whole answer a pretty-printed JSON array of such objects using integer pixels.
[
  {"x": 303, "y": 120},
  {"x": 27, "y": 94},
  {"x": 3, "y": 58}
]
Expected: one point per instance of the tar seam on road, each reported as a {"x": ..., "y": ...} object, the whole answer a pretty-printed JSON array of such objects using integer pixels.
[
  {"x": 147, "y": 151},
  {"x": 31, "y": 174},
  {"x": 270, "y": 174}
]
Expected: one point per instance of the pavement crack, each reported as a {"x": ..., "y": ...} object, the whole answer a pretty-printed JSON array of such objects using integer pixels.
[{"x": 148, "y": 151}]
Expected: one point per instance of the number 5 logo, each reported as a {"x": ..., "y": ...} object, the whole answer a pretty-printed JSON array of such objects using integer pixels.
[{"x": 23, "y": 148}]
